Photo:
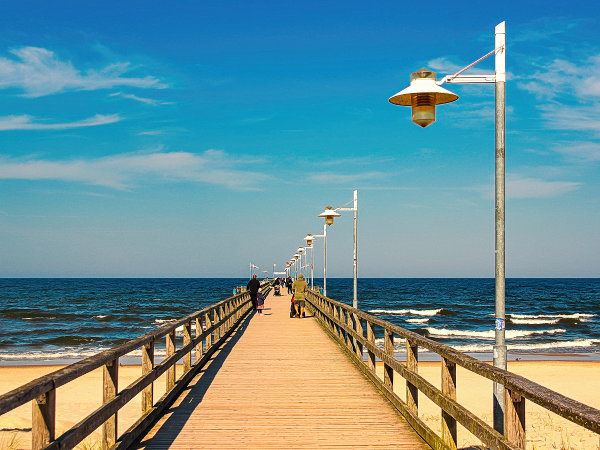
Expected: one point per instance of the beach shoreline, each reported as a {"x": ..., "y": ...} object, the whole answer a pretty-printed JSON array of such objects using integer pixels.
[{"x": 573, "y": 378}]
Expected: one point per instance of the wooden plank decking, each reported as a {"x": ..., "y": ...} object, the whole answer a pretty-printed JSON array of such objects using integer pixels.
[{"x": 280, "y": 383}]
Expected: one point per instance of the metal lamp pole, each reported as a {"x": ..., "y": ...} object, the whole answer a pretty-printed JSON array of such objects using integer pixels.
[
  {"x": 355, "y": 245},
  {"x": 423, "y": 94}
]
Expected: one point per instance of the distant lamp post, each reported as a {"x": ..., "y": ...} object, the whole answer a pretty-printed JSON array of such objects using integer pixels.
[
  {"x": 296, "y": 256},
  {"x": 329, "y": 214},
  {"x": 422, "y": 95},
  {"x": 309, "y": 244}
]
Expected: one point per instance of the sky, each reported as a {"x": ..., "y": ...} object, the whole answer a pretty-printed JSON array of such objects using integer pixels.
[{"x": 190, "y": 139}]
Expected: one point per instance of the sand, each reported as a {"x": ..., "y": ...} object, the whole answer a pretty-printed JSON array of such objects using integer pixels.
[{"x": 576, "y": 379}]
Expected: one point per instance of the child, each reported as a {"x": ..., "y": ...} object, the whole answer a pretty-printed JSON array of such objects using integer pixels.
[{"x": 260, "y": 302}]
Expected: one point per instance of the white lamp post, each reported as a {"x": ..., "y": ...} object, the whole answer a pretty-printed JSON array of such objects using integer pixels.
[
  {"x": 422, "y": 95},
  {"x": 309, "y": 244},
  {"x": 329, "y": 221},
  {"x": 329, "y": 214},
  {"x": 300, "y": 251}
]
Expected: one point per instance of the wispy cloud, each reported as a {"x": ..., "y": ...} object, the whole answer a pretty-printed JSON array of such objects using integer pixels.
[
  {"x": 522, "y": 187},
  {"x": 124, "y": 171},
  {"x": 38, "y": 72},
  {"x": 579, "y": 152},
  {"x": 147, "y": 101},
  {"x": 151, "y": 133},
  {"x": 26, "y": 122},
  {"x": 338, "y": 178}
]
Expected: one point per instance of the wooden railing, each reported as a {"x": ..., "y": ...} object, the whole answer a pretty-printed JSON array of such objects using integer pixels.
[
  {"x": 355, "y": 331},
  {"x": 212, "y": 326}
]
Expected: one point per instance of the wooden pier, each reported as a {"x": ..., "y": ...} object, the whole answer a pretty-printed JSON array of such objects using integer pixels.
[{"x": 280, "y": 383}]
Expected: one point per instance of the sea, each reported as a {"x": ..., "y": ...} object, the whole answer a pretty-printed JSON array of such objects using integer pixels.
[{"x": 44, "y": 321}]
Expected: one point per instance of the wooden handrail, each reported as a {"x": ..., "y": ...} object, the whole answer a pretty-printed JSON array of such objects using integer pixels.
[
  {"x": 350, "y": 336},
  {"x": 210, "y": 333}
]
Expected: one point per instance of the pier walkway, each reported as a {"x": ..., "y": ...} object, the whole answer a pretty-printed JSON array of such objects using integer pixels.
[{"x": 280, "y": 383}]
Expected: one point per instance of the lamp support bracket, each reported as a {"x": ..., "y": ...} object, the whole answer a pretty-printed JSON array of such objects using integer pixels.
[{"x": 469, "y": 79}]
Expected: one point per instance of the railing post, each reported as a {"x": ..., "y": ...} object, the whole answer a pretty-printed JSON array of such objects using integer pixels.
[
  {"x": 358, "y": 348},
  {"x": 217, "y": 318},
  {"x": 187, "y": 338},
  {"x": 110, "y": 377},
  {"x": 349, "y": 326},
  {"x": 371, "y": 339},
  {"x": 449, "y": 388},
  {"x": 199, "y": 350},
  {"x": 388, "y": 372},
  {"x": 43, "y": 419},
  {"x": 208, "y": 324},
  {"x": 514, "y": 418},
  {"x": 412, "y": 364},
  {"x": 170, "y": 347},
  {"x": 147, "y": 366}
]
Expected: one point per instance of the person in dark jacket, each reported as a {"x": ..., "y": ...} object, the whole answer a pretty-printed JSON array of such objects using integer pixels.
[{"x": 253, "y": 286}]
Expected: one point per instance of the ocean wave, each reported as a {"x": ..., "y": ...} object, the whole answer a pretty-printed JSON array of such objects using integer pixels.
[
  {"x": 580, "y": 316},
  {"x": 534, "y": 321},
  {"x": 399, "y": 346},
  {"x": 425, "y": 320},
  {"x": 565, "y": 345},
  {"x": 413, "y": 312},
  {"x": 489, "y": 334}
]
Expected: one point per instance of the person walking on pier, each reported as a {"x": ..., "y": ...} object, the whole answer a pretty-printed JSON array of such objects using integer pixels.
[
  {"x": 299, "y": 287},
  {"x": 288, "y": 283},
  {"x": 260, "y": 302},
  {"x": 253, "y": 286}
]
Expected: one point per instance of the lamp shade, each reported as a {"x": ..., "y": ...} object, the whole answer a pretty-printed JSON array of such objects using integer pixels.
[
  {"x": 422, "y": 96},
  {"x": 309, "y": 239},
  {"x": 329, "y": 215}
]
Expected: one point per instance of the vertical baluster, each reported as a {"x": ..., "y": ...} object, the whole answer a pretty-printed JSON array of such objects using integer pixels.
[
  {"x": 170, "y": 347},
  {"x": 449, "y": 388},
  {"x": 228, "y": 317},
  {"x": 43, "y": 419},
  {"x": 199, "y": 349},
  {"x": 147, "y": 366},
  {"x": 350, "y": 326},
  {"x": 216, "y": 319},
  {"x": 187, "y": 338},
  {"x": 412, "y": 363},
  {"x": 371, "y": 339},
  {"x": 359, "y": 330},
  {"x": 208, "y": 322},
  {"x": 514, "y": 418},
  {"x": 388, "y": 372},
  {"x": 110, "y": 378}
]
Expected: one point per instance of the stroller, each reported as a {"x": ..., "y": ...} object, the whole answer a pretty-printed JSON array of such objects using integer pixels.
[
  {"x": 292, "y": 309},
  {"x": 277, "y": 290}
]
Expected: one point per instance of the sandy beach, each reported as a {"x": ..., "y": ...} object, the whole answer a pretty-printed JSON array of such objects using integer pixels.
[{"x": 576, "y": 379}]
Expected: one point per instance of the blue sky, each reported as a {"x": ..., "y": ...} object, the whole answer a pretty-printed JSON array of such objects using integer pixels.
[{"x": 191, "y": 138}]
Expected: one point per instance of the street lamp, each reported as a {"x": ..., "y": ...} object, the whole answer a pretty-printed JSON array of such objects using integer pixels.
[
  {"x": 252, "y": 267},
  {"x": 329, "y": 215},
  {"x": 301, "y": 252},
  {"x": 309, "y": 244},
  {"x": 422, "y": 95},
  {"x": 296, "y": 256}
]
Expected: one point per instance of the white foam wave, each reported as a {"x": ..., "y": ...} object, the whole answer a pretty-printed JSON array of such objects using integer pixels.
[
  {"x": 535, "y": 321},
  {"x": 580, "y": 316},
  {"x": 399, "y": 346},
  {"x": 489, "y": 334},
  {"x": 404, "y": 312},
  {"x": 425, "y": 320},
  {"x": 101, "y": 316},
  {"x": 577, "y": 343}
]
